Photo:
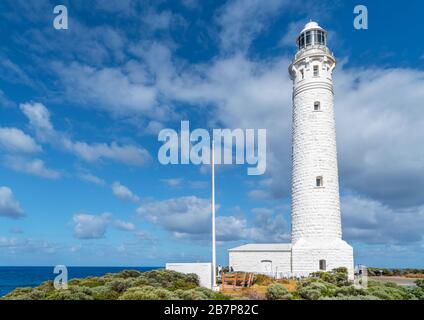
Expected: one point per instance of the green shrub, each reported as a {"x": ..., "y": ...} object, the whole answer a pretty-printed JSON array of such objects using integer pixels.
[
  {"x": 148, "y": 293},
  {"x": 277, "y": 291},
  {"x": 349, "y": 291},
  {"x": 388, "y": 291},
  {"x": 191, "y": 294},
  {"x": 73, "y": 293},
  {"x": 26, "y": 294},
  {"x": 104, "y": 293},
  {"x": 366, "y": 297},
  {"x": 420, "y": 283},
  {"x": 167, "y": 279},
  {"x": 338, "y": 276},
  {"x": 89, "y": 282},
  {"x": 415, "y": 292},
  {"x": 313, "y": 289},
  {"x": 130, "y": 274},
  {"x": 119, "y": 285}
]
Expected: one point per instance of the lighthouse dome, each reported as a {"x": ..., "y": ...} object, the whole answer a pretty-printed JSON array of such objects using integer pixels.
[
  {"x": 312, "y": 25},
  {"x": 312, "y": 34}
]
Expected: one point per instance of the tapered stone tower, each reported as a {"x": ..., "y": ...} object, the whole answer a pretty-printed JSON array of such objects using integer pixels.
[{"x": 316, "y": 220}]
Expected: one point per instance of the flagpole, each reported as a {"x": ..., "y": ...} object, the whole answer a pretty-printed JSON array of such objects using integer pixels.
[{"x": 213, "y": 219}]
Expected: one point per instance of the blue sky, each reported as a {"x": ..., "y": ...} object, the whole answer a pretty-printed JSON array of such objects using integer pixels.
[{"x": 80, "y": 182}]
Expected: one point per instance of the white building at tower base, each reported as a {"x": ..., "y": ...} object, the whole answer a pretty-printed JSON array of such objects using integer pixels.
[{"x": 284, "y": 260}]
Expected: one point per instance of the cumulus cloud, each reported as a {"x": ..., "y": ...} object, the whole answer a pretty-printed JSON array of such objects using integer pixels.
[
  {"x": 182, "y": 215},
  {"x": 34, "y": 167},
  {"x": 378, "y": 116},
  {"x": 379, "y": 127},
  {"x": 124, "y": 193},
  {"x": 9, "y": 207},
  {"x": 92, "y": 178},
  {"x": 190, "y": 217},
  {"x": 370, "y": 221},
  {"x": 16, "y": 141},
  {"x": 39, "y": 118},
  {"x": 14, "y": 246},
  {"x": 241, "y": 21},
  {"x": 88, "y": 226},
  {"x": 124, "y": 225},
  {"x": 109, "y": 88}
]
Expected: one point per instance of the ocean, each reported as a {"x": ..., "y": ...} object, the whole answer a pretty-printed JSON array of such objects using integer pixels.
[{"x": 14, "y": 277}]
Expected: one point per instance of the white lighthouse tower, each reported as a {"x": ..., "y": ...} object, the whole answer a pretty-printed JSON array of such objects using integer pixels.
[
  {"x": 316, "y": 220},
  {"x": 317, "y": 243}
]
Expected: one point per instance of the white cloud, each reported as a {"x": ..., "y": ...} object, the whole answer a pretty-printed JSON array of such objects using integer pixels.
[
  {"x": 379, "y": 126},
  {"x": 14, "y": 246},
  {"x": 88, "y": 226},
  {"x": 16, "y": 141},
  {"x": 124, "y": 193},
  {"x": 9, "y": 207},
  {"x": 124, "y": 225},
  {"x": 190, "y": 217},
  {"x": 183, "y": 215},
  {"x": 241, "y": 21},
  {"x": 127, "y": 154},
  {"x": 154, "y": 127},
  {"x": 369, "y": 221},
  {"x": 39, "y": 118},
  {"x": 175, "y": 182},
  {"x": 92, "y": 178},
  {"x": 34, "y": 167},
  {"x": 289, "y": 38},
  {"x": 378, "y": 116},
  {"x": 107, "y": 88}
]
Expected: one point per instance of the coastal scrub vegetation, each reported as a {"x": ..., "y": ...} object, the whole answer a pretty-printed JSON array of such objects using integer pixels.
[
  {"x": 126, "y": 285},
  {"x": 170, "y": 285}
]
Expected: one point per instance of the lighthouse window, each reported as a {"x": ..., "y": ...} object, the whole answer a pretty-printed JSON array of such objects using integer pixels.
[
  {"x": 316, "y": 71},
  {"x": 317, "y": 106},
  {"x": 319, "y": 182},
  {"x": 301, "y": 41},
  {"x": 320, "y": 37},
  {"x": 322, "y": 265},
  {"x": 302, "y": 73},
  {"x": 308, "y": 37}
]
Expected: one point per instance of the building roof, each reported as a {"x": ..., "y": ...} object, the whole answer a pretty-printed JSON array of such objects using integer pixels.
[
  {"x": 312, "y": 25},
  {"x": 264, "y": 247}
]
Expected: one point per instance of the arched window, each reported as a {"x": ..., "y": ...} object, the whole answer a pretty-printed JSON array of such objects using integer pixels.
[
  {"x": 322, "y": 265},
  {"x": 317, "y": 106},
  {"x": 319, "y": 182}
]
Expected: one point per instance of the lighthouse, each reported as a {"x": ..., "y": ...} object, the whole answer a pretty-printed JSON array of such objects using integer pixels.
[
  {"x": 316, "y": 217},
  {"x": 317, "y": 243}
]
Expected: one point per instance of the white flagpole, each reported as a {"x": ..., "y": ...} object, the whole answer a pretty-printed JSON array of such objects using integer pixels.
[{"x": 213, "y": 220}]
